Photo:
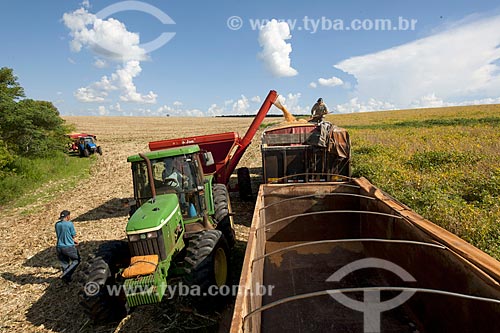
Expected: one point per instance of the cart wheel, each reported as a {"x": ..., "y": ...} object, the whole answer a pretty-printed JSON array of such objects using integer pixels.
[{"x": 244, "y": 184}]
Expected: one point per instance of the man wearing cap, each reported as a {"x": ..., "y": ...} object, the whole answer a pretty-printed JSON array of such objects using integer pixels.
[
  {"x": 318, "y": 111},
  {"x": 67, "y": 252}
]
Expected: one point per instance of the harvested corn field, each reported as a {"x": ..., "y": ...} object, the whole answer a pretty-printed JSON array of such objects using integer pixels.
[{"x": 34, "y": 299}]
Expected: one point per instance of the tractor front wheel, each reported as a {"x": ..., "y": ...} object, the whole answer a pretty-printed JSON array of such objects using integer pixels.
[
  {"x": 99, "y": 150},
  {"x": 207, "y": 268},
  {"x": 86, "y": 152},
  {"x": 207, "y": 260},
  {"x": 101, "y": 298}
]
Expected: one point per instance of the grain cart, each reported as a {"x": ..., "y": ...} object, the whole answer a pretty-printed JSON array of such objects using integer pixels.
[
  {"x": 180, "y": 223},
  {"x": 303, "y": 152}
]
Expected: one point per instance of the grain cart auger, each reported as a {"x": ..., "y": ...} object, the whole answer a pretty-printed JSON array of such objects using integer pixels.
[
  {"x": 180, "y": 224},
  {"x": 227, "y": 149}
]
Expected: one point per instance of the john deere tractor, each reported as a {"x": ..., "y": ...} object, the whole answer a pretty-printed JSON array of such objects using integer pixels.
[{"x": 180, "y": 226}]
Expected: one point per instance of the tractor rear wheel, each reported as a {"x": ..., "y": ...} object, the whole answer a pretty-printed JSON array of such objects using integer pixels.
[
  {"x": 100, "y": 272},
  {"x": 207, "y": 260},
  {"x": 223, "y": 212},
  {"x": 244, "y": 184}
]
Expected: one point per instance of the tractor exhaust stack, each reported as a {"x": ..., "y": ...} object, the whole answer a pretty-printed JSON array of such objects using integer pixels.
[{"x": 150, "y": 175}]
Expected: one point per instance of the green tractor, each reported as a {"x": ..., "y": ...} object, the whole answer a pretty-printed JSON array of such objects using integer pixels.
[{"x": 180, "y": 226}]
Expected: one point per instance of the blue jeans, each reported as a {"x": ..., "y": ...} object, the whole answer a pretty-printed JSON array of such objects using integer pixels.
[{"x": 70, "y": 259}]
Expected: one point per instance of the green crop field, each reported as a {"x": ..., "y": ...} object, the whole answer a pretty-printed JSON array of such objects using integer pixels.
[{"x": 444, "y": 163}]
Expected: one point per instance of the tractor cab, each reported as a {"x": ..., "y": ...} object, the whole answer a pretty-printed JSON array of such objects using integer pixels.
[
  {"x": 87, "y": 141},
  {"x": 177, "y": 171}
]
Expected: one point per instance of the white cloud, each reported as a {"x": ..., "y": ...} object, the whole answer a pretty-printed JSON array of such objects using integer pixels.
[
  {"x": 99, "y": 63},
  {"x": 117, "y": 107},
  {"x": 482, "y": 101},
  {"x": 124, "y": 78},
  {"x": 102, "y": 110},
  {"x": 275, "y": 51},
  {"x": 214, "y": 111},
  {"x": 456, "y": 64},
  {"x": 121, "y": 80},
  {"x": 88, "y": 95},
  {"x": 195, "y": 113},
  {"x": 428, "y": 101},
  {"x": 331, "y": 82},
  {"x": 355, "y": 105},
  {"x": 255, "y": 99},
  {"x": 241, "y": 106},
  {"x": 292, "y": 104},
  {"x": 145, "y": 112},
  {"x": 164, "y": 110},
  {"x": 176, "y": 111},
  {"x": 95, "y": 92},
  {"x": 85, "y": 3},
  {"x": 432, "y": 101},
  {"x": 109, "y": 39}
]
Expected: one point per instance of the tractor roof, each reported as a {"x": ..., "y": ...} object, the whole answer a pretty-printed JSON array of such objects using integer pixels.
[{"x": 178, "y": 151}]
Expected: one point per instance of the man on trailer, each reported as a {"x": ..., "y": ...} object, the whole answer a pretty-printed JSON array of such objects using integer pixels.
[{"x": 318, "y": 111}]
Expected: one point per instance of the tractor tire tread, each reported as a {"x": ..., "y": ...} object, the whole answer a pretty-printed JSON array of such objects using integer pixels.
[
  {"x": 222, "y": 213},
  {"x": 201, "y": 271},
  {"x": 101, "y": 269}
]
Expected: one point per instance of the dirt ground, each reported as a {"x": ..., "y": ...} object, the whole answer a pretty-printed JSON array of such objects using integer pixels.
[{"x": 34, "y": 299}]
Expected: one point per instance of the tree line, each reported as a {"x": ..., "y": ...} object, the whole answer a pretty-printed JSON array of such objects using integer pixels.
[{"x": 28, "y": 128}]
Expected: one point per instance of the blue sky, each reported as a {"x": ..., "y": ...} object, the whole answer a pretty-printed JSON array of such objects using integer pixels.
[{"x": 63, "y": 51}]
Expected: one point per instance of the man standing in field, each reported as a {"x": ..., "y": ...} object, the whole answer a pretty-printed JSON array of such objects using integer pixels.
[
  {"x": 67, "y": 252},
  {"x": 318, "y": 111}
]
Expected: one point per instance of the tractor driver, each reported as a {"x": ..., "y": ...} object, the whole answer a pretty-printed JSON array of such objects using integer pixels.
[{"x": 172, "y": 176}]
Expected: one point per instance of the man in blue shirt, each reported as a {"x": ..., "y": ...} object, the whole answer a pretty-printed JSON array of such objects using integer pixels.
[{"x": 66, "y": 246}]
